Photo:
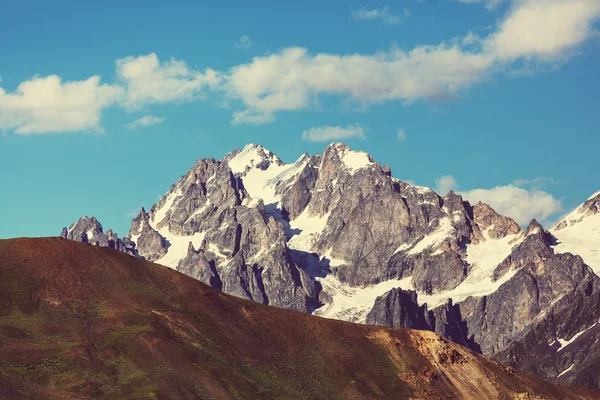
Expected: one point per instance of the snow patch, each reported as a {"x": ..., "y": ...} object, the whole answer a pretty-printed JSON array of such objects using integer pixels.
[
  {"x": 352, "y": 303},
  {"x": 200, "y": 210},
  {"x": 356, "y": 160},
  {"x": 310, "y": 228},
  {"x": 261, "y": 184},
  {"x": 161, "y": 213},
  {"x": 249, "y": 157},
  {"x": 564, "y": 343},
  {"x": 565, "y": 371},
  {"x": 476, "y": 285},
  {"x": 436, "y": 237},
  {"x": 178, "y": 247},
  {"x": 485, "y": 256},
  {"x": 334, "y": 262},
  {"x": 402, "y": 247},
  {"x": 90, "y": 235},
  {"x": 583, "y": 239}
]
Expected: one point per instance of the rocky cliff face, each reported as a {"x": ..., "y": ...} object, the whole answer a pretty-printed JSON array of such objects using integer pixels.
[
  {"x": 338, "y": 236},
  {"x": 399, "y": 309}
]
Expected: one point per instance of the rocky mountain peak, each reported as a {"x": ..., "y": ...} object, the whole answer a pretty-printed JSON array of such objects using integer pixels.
[
  {"x": 252, "y": 156},
  {"x": 589, "y": 208},
  {"x": 89, "y": 230},
  {"x": 533, "y": 228},
  {"x": 495, "y": 225},
  {"x": 341, "y": 157}
]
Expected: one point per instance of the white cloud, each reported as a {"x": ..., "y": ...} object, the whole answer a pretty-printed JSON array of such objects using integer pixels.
[
  {"x": 147, "y": 80},
  {"x": 47, "y": 104},
  {"x": 146, "y": 120},
  {"x": 329, "y": 133},
  {"x": 521, "y": 204},
  {"x": 293, "y": 78},
  {"x": 538, "y": 32},
  {"x": 244, "y": 43},
  {"x": 401, "y": 134},
  {"x": 383, "y": 14},
  {"x": 445, "y": 183},
  {"x": 545, "y": 29}
]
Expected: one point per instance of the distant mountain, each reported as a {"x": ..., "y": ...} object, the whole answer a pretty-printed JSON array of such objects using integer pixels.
[
  {"x": 80, "y": 321},
  {"x": 334, "y": 234}
]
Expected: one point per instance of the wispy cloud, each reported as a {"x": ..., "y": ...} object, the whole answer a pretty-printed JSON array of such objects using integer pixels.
[
  {"x": 146, "y": 120},
  {"x": 244, "y": 43},
  {"x": 329, "y": 133},
  {"x": 383, "y": 14},
  {"x": 401, "y": 134},
  {"x": 489, "y": 4},
  {"x": 539, "y": 182},
  {"x": 132, "y": 213}
]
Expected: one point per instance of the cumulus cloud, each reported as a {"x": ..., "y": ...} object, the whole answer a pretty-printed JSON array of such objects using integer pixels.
[
  {"x": 532, "y": 31},
  {"x": 294, "y": 79},
  {"x": 521, "y": 204},
  {"x": 146, "y": 120},
  {"x": 47, "y": 104},
  {"x": 244, "y": 43},
  {"x": 383, "y": 14},
  {"x": 147, "y": 80},
  {"x": 544, "y": 29},
  {"x": 329, "y": 133}
]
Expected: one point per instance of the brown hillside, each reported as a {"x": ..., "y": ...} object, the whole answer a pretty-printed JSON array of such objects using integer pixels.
[{"x": 79, "y": 321}]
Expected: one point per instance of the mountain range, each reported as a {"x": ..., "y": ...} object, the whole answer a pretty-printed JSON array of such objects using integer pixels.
[
  {"x": 79, "y": 321},
  {"x": 337, "y": 236}
]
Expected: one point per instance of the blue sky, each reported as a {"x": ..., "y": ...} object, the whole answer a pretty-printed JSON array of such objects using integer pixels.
[{"x": 495, "y": 99}]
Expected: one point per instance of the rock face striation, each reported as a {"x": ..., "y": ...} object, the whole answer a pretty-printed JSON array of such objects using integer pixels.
[{"x": 336, "y": 235}]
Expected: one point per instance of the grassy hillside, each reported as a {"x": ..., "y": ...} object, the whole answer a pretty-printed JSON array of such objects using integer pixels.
[{"x": 79, "y": 321}]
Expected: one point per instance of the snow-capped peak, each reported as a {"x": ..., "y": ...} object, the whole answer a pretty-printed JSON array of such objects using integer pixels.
[
  {"x": 579, "y": 232},
  {"x": 251, "y": 156},
  {"x": 352, "y": 160}
]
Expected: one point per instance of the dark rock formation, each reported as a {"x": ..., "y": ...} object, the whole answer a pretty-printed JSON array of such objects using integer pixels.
[{"x": 89, "y": 230}]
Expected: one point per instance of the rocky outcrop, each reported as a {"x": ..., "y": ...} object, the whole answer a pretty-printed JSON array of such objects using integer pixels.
[
  {"x": 150, "y": 244},
  {"x": 497, "y": 226},
  {"x": 590, "y": 207},
  {"x": 541, "y": 280},
  {"x": 399, "y": 309},
  {"x": 535, "y": 246},
  {"x": 196, "y": 265},
  {"x": 89, "y": 230}
]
